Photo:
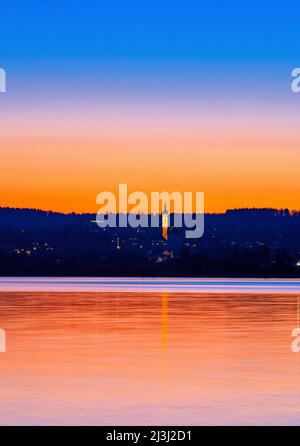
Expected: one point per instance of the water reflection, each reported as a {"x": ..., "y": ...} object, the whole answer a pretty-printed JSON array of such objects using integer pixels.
[
  {"x": 164, "y": 311},
  {"x": 133, "y": 358}
]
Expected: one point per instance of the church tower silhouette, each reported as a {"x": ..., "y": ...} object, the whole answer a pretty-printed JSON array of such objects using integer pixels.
[{"x": 165, "y": 222}]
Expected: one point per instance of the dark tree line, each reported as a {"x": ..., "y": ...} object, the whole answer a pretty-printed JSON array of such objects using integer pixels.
[{"x": 245, "y": 242}]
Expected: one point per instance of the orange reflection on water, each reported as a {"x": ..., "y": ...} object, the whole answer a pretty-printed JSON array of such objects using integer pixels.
[{"x": 134, "y": 358}]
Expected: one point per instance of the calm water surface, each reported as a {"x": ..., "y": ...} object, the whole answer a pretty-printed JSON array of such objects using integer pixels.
[{"x": 148, "y": 358}]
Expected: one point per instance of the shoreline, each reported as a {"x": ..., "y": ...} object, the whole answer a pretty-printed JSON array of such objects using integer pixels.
[{"x": 138, "y": 285}]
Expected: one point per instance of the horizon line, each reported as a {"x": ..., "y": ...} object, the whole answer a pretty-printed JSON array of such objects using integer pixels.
[{"x": 290, "y": 211}]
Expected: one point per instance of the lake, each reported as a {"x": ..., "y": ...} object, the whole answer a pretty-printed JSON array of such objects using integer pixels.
[{"x": 167, "y": 356}]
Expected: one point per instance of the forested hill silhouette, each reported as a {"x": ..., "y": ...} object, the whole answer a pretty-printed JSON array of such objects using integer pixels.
[
  {"x": 25, "y": 216},
  {"x": 239, "y": 242}
]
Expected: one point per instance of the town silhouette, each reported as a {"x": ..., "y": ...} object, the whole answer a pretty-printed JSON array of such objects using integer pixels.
[{"x": 237, "y": 243}]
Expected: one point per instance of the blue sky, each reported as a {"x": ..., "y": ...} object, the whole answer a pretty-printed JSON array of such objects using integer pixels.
[
  {"x": 140, "y": 31},
  {"x": 143, "y": 44}
]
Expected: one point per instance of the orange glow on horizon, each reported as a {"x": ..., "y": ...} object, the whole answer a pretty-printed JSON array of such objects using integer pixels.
[
  {"x": 55, "y": 157},
  {"x": 65, "y": 174}
]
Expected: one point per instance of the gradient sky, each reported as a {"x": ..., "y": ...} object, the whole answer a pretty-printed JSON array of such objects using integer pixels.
[{"x": 160, "y": 95}]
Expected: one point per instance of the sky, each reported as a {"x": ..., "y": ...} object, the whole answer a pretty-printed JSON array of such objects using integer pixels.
[{"x": 169, "y": 95}]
